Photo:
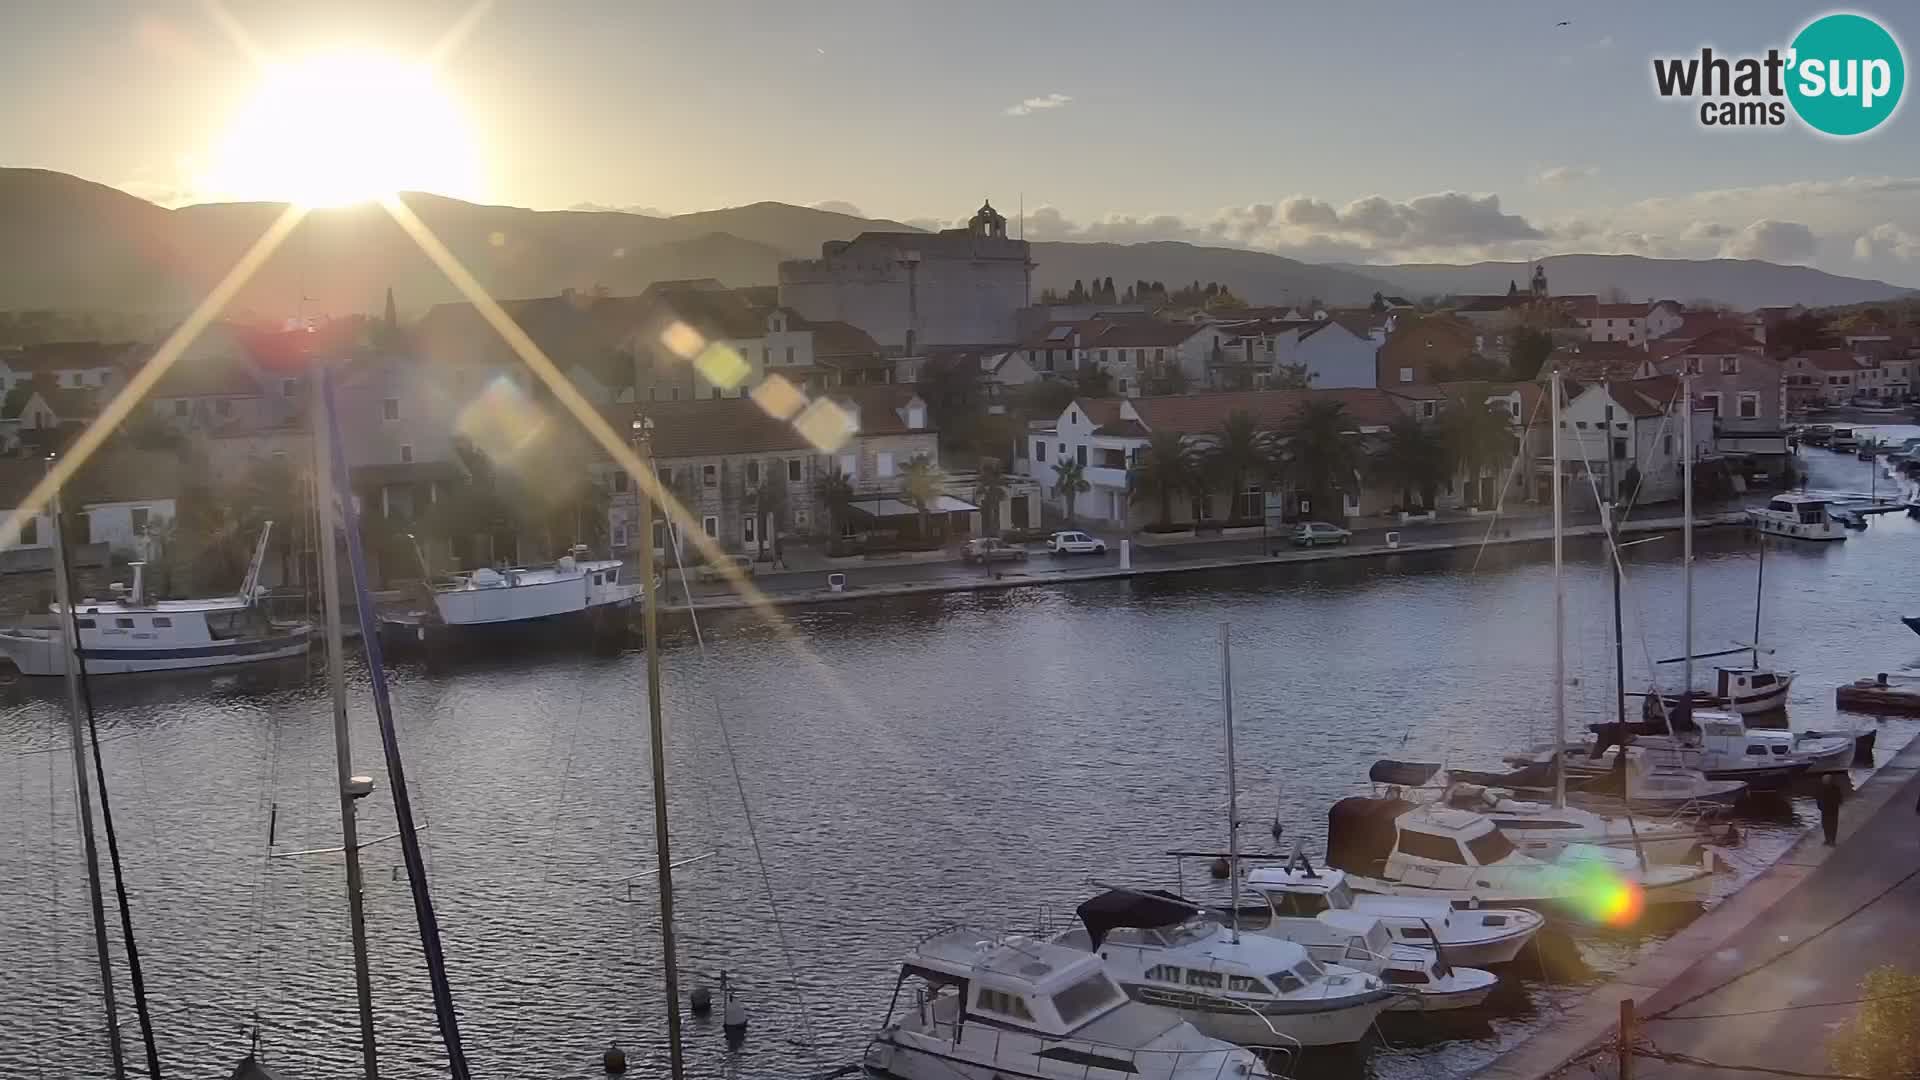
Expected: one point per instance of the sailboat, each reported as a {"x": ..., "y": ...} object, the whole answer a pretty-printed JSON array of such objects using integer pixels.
[{"x": 1751, "y": 690}]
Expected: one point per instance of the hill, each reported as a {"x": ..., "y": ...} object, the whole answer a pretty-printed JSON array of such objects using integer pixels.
[{"x": 1743, "y": 283}]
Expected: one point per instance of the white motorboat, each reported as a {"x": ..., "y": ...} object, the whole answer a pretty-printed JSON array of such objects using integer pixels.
[
  {"x": 1478, "y": 937},
  {"x": 1721, "y": 745},
  {"x": 133, "y": 633},
  {"x": 519, "y": 600},
  {"x": 1392, "y": 847},
  {"x": 1633, "y": 775},
  {"x": 1245, "y": 988},
  {"x": 1796, "y": 517},
  {"x": 996, "y": 1008}
]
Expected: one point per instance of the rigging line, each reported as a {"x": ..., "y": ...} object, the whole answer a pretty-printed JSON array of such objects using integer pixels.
[
  {"x": 1702, "y": 1063},
  {"x": 746, "y": 809},
  {"x": 128, "y": 941},
  {"x": 1786, "y": 952},
  {"x": 1796, "y": 1007},
  {"x": 566, "y": 771}
]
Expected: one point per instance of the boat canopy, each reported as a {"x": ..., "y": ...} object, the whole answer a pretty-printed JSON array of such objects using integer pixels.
[
  {"x": 1361, "y": 833},
  {"x": 1140, "y": 909},
  {"x": 1403, "y": 773}
]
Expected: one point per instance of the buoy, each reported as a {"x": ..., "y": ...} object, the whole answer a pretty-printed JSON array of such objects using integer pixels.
[
  {"x": 702, "y": 1001},
  {"x": 733, "y": 1015},
  {"x": 1221, "y": 869},
  {"x": 615, "y": 1059}
]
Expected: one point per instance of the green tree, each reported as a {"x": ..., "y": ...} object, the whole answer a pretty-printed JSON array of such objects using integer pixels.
[
  {"x": 920, "y": 484},
  {"x": 1093, "y": 381},
  {"x": 1294, "y": 376},
  {"x": 1883, "y": 1038},
  {"x": 1480, "y": 439},
  {"x": 1069, "y": 482},
  {"x": 1412, "y": 458},
  {"x": 835, "y": 492},
  {"x": 1527, "y": 351},
  {"x": 1322, "y": 453},
  {"x": 1241, "y": 453},
  {"x": 989, "y": 488},
  {"x": 1047, "y": 399},
  {"x": 1167, "y": 378},
  {"x": 1164, "y": 470}
]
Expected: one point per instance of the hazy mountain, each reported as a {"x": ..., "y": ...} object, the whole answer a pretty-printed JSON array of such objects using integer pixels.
[
  {"x": 1252, "y": 275},
  {"x": 1743, "y": 283}
]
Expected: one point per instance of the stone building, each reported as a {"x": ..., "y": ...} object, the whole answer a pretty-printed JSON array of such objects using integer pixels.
[{"x": 912, "y": 290}]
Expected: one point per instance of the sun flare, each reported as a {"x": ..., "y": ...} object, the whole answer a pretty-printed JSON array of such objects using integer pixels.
[{"x": 342, "y": 128}]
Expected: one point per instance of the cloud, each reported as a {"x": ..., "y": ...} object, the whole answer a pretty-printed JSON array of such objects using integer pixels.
[
  {"x": 1036, "y": 104},
  {"x": 835, "y": 206},
  {"x": 1560, "y": 176},
  {"x": 1887, "y": 239},
  {"x": 1772, "y": 241},
  {"x": 1706, "y": 230}
]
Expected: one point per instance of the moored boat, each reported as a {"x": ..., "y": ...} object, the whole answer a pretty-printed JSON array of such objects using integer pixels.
[
  {"x": 1797, "y": 517},
  {"x": 1477, "y": 937},
  {"x": 572, "y": 593}
]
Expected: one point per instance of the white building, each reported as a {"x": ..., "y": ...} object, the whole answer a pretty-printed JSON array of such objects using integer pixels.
[
  {"x": 1634, "y": 428},
  {"x": 1336, "y": 356}
]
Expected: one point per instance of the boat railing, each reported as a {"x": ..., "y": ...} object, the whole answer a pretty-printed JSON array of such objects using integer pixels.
[{"x": 1222, "y": 1054}]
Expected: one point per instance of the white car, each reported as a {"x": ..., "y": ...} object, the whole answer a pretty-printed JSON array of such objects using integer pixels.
[{"x": 1075, "y": 543}]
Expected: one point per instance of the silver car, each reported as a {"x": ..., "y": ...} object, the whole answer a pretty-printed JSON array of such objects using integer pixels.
[{"x": 1315, "y": 533}]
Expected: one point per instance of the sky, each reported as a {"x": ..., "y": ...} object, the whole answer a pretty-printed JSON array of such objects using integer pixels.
[{"x": 1362, "y": 131}]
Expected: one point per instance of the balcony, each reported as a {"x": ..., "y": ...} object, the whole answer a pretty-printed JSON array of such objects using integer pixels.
[{"x": 1107, "y": 477}]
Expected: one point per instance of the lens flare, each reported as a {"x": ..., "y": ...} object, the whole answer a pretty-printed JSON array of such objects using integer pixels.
[{"x": 1603, "y": 896}]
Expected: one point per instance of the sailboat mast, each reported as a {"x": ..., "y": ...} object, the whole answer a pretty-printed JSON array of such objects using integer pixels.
[
  {"x": 342, "y": 741},
  {"x": 1686, "y": 535},
  {"x": 69, "y": 633},
  {"x": 657, "y": 748},
  {"x": 1559, "y": 616},
  {"x": 1233, "y": 791},
  {"x": 1612, "y": 526},
  {"x": 1759, "y": 583}
]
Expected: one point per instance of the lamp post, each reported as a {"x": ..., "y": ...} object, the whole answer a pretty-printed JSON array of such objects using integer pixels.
[{"x": 642, "y": 439}]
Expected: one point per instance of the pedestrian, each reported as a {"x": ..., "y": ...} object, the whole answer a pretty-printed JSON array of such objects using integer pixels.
[
  {"x": 779, "y": 559},
  {"x": 1829, "y": 801}
]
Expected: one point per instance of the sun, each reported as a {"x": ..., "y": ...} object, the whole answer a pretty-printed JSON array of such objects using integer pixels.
[{"x": 341, "y": 128}]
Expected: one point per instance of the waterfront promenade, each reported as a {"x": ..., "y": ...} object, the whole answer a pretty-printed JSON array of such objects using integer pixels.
[{"x": 1747, "y": 986}]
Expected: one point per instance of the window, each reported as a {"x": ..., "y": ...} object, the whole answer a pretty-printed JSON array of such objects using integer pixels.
[
  {"x": 390, "y": 409},
  {"x": 1756, "y": 751},
  {"x": 1357, "y": 949},
  {"x": 1426, "y": 410},
  {"x": 789, "y": 354},
  {"x": 1103, "y": 356},
  {"x": 793, "y": 470},
  {"x": 1402, "y": 977},
  {"x": 1666, "y": 444},
  {"x": 138, "y": 517},
  {"x": 162, "y": 622},
  {"x": 1302, "y": 905},
  {"x": 1406, "y": 374},
  {"x": 619, "y": 536},
  {"x": 1039, "y": 451},
  {"x": 1414, "y": 933},
  {"x": 753, "y": 472},
  {"x": 1123, "y": 388},
  {"x": 223, "y": 407},
  {"x": 619, "y": 480},
  {"x": 1080, "y": 455},
  {"x": 30, "y": 532},
  {"x": 84, "y": 624},
  {"x": 613, "y": 575},
  {"x": 746, "y": 528},
  {"x": 1159, "y": 356},
  {"x": 1619, "y": 449},
  {"x": 1087, "y": 1059},
  {"x": 1729, "y": 365},
  {"x": 123, "y": 623},
  {"x": 1490, "y": 848},
  {"x": 675, "y": 391},
  {"x": 711, "y": 526},
  {"x": 766, "y": 355},
  {"x": 1167, "y": 973},
  {"x": 286, "y": 387},
  {"x": 1086, "y": 997},
  {"x": 1287, "y": 981},
  {"x": 710, "y": 476},
  {"x": 1749, "y": 405},
  {"x": 848, "y": 463},
  {"x": 406, "y": 453},
  {"x": 1210, "y": 979},
  {"x": 999, "y": 1001},
  {"x": 883, "y": 463},
  {"x": 1710, "y": 403},
  {"x": 1246, "y": 984},
  {"x": 1428, "y": 846}
]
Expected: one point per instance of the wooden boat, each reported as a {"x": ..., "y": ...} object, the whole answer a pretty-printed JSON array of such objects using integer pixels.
[{"x": 1884, "y": 693}]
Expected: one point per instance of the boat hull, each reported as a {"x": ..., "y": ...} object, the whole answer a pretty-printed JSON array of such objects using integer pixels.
[
  {"x": 1796, "y": 530},
  {"x": 1477, "y": 938},
  {"x": 44, "y": 653},
  {"x": 1338, "y": 1026},
  {"x": 402, "y": 633},
  {"x": 1464, "y": 988}
]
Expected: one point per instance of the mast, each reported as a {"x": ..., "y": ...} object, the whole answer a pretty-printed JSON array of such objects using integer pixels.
[
  {"x": 1233, "y": 793},
  {"x": 1559, "y": 616},
  {"x": 1686, "y": 534},
  {"x": 1759, "y": 583},
  {"x": 82, "y": 799},
  {"x": 1613, "y": 568},
  {"x": 342, "y": 742},
  {"x": 656, "y": 735}
]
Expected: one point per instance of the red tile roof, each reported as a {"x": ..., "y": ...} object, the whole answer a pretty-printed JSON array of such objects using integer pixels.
[
  {"x": 835, "y": 338},
  {"x": 1140, "y": 333},
  {"x": 1830, "y": 359},
  {"x": 718, "y": 426},
  {"x": 1191, "y": 414},
  {"x": 1619, "y": 311},
  {"x": 69, "y": 355},
  {"x": 1130, "y": 429},
  {"x": 1720, "y": 340},
  {"x": 1099, "y": 410}
]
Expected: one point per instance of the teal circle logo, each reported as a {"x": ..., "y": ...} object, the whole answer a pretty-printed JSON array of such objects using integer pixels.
[{"x": 1847, "y": 74}]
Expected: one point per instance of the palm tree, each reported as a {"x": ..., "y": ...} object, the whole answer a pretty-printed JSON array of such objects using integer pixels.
[
  {"x": 1164, "y": 469},
  {"x": 1412, "y": 457},
  {"x": 835, "y": 492},
  {"x": 1480, "y": 439},
  {"x": 989, "y": 487},
  {"x": 920, "y": 484},
  {"x": 1241, "y": 453},
  {"x": 1322, "y": 454},
  {"x": 1069, "y": 481}
]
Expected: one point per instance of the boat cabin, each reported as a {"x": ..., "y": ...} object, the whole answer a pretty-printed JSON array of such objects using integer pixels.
[
  {"x": 1804, "y": 509},
  {"x": 1015, "y": 982}
]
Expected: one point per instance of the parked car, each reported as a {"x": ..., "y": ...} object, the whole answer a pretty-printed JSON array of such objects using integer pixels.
[
  {"x": 1075, "y": 543},
  {"x": 989, "y": 549},
  {"x": 711, "y": 572},
  {"x": 1817, "y": 435},
  {"x": 1314, "y": 533}
]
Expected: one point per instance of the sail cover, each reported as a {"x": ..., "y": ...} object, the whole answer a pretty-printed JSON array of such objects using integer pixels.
[
  {"x": 1404, "y": 773},
  {"x": 1147, "y": 909}
]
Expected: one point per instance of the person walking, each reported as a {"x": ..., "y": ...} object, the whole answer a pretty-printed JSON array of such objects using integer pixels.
[{"x": 1829, "y": 800}]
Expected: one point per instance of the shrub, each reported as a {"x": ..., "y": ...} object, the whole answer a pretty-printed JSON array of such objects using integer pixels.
[{"x": 1883, "y": 1038}]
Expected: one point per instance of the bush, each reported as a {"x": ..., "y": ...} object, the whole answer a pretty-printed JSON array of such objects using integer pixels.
[
  {"x": 1883, "y": 1039},
  {"x": 1242, "y": 523},
  {"x": 1170, "y": 527}
]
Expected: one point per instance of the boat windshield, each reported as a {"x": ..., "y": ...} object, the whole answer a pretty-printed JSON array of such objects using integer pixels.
[
  {"x": 1340, "y": 897},
  {"x": 1490, "y": 848},
  {"x": 1092, "y": 995}
]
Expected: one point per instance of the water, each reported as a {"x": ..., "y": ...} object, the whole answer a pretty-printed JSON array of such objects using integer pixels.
[{"x": 909, "y": 763}]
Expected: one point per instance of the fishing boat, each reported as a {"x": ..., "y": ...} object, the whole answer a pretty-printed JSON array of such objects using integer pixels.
[
  {"x": 1721, "y": 745},
  {"x": 1391, "y": 847},
  {"x": 1797, "y": 517},
  {"x": 133, "y": 632},
  {"x": 1244, "y": 989},
  {"x": 1018, "y": 1008},
  {"x": 1882, "y": 693},
  {"x": 571, "y": 592},
  {"x": 1480, "y": 937}
]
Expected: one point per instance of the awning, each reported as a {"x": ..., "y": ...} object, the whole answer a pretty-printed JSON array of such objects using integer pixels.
[
  {"x": 879, "y": 508},
  {"x": 1147, "y": 909}
]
